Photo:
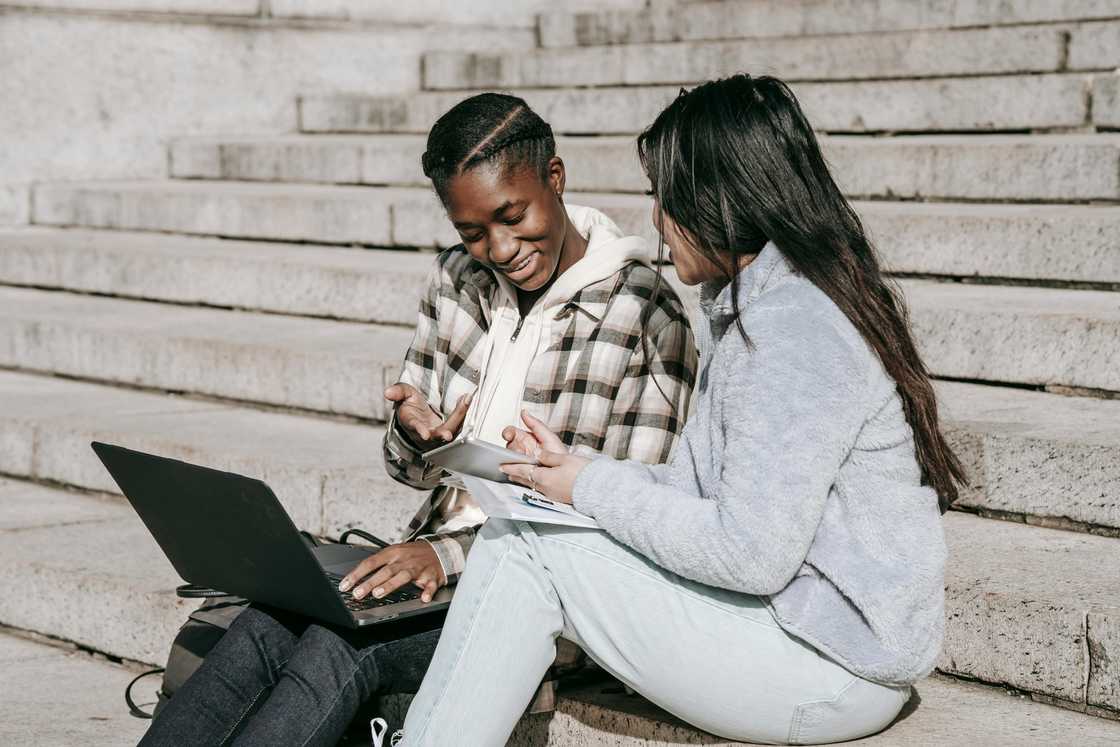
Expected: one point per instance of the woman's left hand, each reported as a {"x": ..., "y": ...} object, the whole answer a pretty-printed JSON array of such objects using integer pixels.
[{"x": 554, "y": 477}]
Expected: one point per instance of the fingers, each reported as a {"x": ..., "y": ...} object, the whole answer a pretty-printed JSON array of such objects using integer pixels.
[
  {"x": 399, "y": 579},
  {"x": 376, "y": 583},
  {"x": 429, "y": 588},
  {"x": 416, "y": 420},
  {"x": 521, "y": 441},
  {"x": 548, "y": 440},
  {"x": 394, "y": 567},
  {"x": 414, "y": 414},
  {"x": 366, "y": 567},
  {"x": 400, "y": 392},
  {"x": 552, "y": 458},
  {"x": 518, "y": 473},
  {"x": 450, "y": 427}
]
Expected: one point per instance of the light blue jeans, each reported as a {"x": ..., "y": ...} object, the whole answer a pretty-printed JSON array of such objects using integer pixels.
[{"x": 712, "y": 657}]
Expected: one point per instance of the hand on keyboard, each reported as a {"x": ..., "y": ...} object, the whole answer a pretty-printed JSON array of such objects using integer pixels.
[{"x": 395, "y": 567}]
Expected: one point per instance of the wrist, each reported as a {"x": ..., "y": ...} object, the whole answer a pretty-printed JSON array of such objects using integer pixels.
[{"x": 432, "y": 541}]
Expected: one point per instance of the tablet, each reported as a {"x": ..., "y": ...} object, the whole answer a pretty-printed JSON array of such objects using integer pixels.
[{"x": 477, "y": 458}]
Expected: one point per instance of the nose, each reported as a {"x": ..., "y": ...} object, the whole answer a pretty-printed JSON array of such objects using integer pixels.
[{"x": 504, "y": 246}]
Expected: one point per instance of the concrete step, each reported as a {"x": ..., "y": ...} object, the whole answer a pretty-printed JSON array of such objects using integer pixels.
[
  {"x": 1036, "y": 242},
  {"x": 125, "y": 584},
  {"x": 1037, "y": 609},
  {"x": 366, "y": 285},
  {"x": 1043, "y": 458},
  {"x": 328, "y": 475},
  {"x": 905, "y": 54},
  {"x": 1061, "y": 168},
  {"x": 1106, "y": 102},
  {"x": 1029, "y": 607},
  {"x": 1094, "y": 45},
  {"x": 356, "y": 285},
  {"x": 942, "y": 711},
  {"x": 981, "y": 103},
  {"x": 234, "y": 209},
  {"x": 1048, "y": 457},
  {"x": 487, "y": 14},
  {"x": 1031, "y": 242},
  {"x": 327, "y": 366},
  {"x": 731, "y": 19},
  {"x": 965, "y": 331},
  {"x": 1038, "y": 336},
  {"x": 55, "y": 694}
]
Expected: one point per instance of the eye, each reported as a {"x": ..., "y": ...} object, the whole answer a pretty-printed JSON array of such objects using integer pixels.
[
  {"x": 516, "y": 219},
  {"x": 471, "y": 239}
]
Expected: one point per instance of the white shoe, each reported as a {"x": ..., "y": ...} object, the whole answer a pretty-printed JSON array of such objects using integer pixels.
[{"x": 378, "y": 727}]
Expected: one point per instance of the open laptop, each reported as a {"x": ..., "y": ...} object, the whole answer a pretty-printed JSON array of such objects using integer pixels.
[{"x": 229, "y": 532}]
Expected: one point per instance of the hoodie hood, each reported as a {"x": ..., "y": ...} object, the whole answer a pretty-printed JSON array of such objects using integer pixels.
[{"x": 608, "y": 251}]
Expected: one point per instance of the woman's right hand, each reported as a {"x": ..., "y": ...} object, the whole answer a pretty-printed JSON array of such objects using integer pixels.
[
  {"x": 420, "y": 422},
  {"x": 533, "y": 441}
]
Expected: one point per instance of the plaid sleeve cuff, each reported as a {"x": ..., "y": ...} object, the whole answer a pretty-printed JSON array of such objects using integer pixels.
[
  {"x": 405, "y": 462},
  {"x": 451, "y": 549}
]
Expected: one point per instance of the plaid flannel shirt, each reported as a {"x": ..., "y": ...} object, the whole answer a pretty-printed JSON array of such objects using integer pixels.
[{"x": 592, "y": 385}]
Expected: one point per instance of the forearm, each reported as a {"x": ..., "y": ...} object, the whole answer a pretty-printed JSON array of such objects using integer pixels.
[{"x": 718, "y": 541}]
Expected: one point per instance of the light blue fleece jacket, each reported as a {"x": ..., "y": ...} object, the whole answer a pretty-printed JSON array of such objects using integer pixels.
[{"x": 794, "y": 480}]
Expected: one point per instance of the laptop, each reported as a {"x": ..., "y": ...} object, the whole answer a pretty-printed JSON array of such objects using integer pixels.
[{"x": 225, "y": 531}]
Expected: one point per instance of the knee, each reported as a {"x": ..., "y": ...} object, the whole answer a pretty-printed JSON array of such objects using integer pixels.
[
  {"x": 321, "y": 641},
  {"x": 324, "y": 655},
  {"x": 495, "y": 529},
  {"x": 255, "y": 623},
  {"x": 258, "y": 629},
  {"x": 342, "y": 649}
]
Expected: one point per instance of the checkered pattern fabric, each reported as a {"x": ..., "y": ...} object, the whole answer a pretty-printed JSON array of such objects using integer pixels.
[{"x": 593, "y": 384}]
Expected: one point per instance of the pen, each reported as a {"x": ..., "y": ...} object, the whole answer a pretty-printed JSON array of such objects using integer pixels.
[{"x": 535, "y": 499}]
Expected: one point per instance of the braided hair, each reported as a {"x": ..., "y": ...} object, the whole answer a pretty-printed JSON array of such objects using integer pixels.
[{"x": 490, "y": 128}]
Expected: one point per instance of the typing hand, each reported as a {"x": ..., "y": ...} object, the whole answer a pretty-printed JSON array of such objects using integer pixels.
[{"x": 397, "y": 565}]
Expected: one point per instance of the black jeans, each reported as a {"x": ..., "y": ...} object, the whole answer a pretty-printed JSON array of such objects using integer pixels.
[{"x": 276, "y": 678}]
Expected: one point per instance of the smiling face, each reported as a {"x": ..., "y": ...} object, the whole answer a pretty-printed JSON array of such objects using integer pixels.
[{"x": 514, "y": 223}]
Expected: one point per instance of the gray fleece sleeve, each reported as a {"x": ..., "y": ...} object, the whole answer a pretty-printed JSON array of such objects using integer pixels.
[{"x": 791, "y": 410}]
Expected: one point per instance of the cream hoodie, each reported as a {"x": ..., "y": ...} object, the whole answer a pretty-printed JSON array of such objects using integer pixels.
[{"x": 514, "y": 343}]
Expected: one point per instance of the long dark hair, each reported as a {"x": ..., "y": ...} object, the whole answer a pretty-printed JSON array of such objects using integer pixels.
[{"x": 735, "y": 164}]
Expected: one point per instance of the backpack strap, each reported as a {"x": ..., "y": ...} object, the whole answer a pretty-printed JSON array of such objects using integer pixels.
[{"x": 134, "y": 709}]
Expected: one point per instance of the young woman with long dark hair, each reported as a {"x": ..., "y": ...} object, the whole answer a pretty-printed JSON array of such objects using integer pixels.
[
  {"x": 781, "y": 578},
  {"x": 544, "y": 306}
]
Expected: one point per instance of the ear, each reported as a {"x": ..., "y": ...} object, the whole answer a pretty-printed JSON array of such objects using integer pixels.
[{"x": 557, "y": 175}]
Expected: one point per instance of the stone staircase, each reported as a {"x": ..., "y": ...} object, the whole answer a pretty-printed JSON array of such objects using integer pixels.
[{"x": 247, "y": 312}]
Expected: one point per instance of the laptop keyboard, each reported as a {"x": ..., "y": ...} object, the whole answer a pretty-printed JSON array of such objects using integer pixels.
[{"x": 404, "y": 594}]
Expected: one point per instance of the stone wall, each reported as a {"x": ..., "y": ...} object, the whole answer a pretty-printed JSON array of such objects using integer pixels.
[{"x": 99, "y": 88}]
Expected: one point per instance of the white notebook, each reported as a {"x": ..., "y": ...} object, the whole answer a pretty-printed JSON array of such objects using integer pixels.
[{"x": 509, "y": 501}]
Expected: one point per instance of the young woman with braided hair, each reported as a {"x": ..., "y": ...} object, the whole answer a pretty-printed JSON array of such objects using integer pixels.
[{"x": 545, "y": 309}]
